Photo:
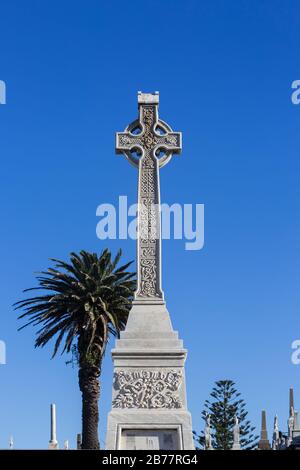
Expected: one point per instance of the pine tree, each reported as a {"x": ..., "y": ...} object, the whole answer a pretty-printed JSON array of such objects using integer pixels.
[{"x": 224, "y": 404}]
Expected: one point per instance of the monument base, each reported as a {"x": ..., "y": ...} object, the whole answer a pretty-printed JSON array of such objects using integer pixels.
[
  {"x": 146, "y": 430},
  {"x": 236, "y": 447},
  {"x": 149, "y": 408}
]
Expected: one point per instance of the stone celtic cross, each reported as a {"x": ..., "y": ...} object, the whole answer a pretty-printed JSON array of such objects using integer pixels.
[{"x": 148, "y": 143}]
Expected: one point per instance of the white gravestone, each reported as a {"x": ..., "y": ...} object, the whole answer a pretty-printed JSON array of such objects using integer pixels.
[{"x": 149, "y": 407}]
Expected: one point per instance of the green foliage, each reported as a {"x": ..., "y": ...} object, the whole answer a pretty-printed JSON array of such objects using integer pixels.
[
  {"x": 224, "y": 404},
  {"x": 88, "y": 299}
]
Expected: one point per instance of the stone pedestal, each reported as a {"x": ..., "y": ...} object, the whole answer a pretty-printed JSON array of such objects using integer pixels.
[
  {"x": 149, "y": 409},
  {"x": 236, "y": 446}
]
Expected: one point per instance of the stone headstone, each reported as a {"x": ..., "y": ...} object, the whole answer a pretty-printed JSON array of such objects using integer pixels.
[
  {"x": 149, "y": 408},
  {"x": 236, "y": 435},
  {"x": 264, "y": 443},
  {"x": 53, "y": 444},
  {"x": 207, "y": 434},
  {"x": 276, "y": 441}
]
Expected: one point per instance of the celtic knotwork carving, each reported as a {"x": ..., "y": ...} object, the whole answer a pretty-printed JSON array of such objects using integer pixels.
[
  {"x": 148, "y": 277},
  {"x": 148, "y": 115},
  {"x": 154, "y": 135},
  {"x": 148, "y": 252},
  {"x": 149, "y": 140},
  {"x": 148, "y": 161},
  {"x": 147, "y": 389},
  {"x": 171, "y": 140},
  {"x": 125, "y": 140}
]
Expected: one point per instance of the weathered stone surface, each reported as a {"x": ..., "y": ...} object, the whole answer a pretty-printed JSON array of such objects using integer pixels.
[
  {"x": 149, "y": 395},
  {"x": 148, "y": 135},
  {"x": 156, "y": 439},
  {"x": 146, "y": 388}
]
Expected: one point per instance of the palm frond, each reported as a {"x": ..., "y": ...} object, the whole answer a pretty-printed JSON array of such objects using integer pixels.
[{"x": 89, "y": 298}]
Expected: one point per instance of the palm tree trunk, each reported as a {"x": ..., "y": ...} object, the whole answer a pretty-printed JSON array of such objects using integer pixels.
[{"x": 90, "y": 390}]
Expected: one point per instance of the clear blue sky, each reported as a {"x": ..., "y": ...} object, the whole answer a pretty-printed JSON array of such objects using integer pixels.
[{"x": 224, "y": 71}]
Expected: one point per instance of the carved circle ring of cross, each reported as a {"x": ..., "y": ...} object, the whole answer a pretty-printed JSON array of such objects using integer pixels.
[{"x": 163, "y": 126}]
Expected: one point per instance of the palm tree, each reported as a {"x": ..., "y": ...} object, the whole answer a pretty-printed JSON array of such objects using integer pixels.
[{"x": 89, "y": 298}]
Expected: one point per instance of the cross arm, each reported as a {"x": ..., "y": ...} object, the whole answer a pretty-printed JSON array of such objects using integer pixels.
[
  {"x": 126, "y": 141},
  {"x": 171, "y": 141}
]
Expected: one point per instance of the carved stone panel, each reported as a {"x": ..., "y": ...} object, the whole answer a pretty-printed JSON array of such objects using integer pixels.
[{"x": 147, "y": 389}]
